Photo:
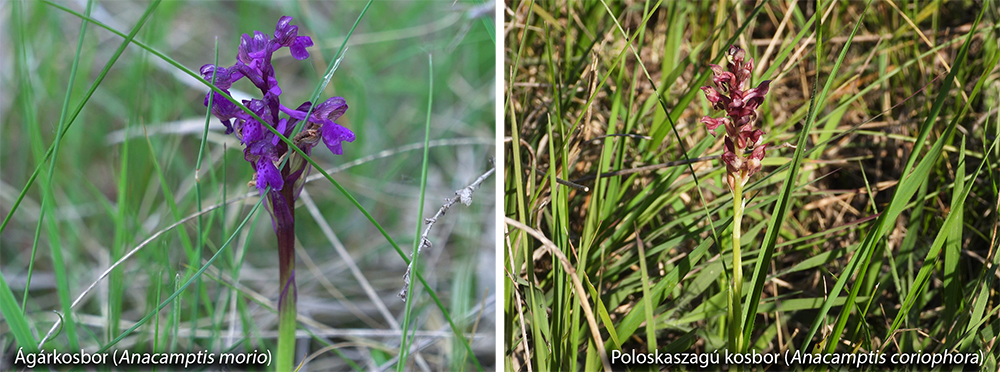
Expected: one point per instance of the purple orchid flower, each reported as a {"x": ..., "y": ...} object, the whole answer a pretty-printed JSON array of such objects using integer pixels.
[
  {"x": 264, "y": 149},
  {"x": 266, "y": 152}
]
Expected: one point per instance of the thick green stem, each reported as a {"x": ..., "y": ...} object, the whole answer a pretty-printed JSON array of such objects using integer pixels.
[
  {"x": 285, "y": 356},
  {"x": 284, "y": 226},
  {"x": 736, "y": 287}
]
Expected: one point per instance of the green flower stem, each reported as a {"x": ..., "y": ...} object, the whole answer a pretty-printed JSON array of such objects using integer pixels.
[
  {"x": 285, "y": 356},
  {"x": 736, "y": 287},
  {"x": 284, "y": 223}
]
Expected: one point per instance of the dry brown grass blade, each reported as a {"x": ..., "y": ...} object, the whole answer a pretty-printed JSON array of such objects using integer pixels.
[
  {"x": 577, "y": 285},
  {"x": 927, "y": 41}
]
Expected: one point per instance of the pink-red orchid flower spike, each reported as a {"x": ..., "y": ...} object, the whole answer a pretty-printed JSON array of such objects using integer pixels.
[{"x": 731, "y": 95}]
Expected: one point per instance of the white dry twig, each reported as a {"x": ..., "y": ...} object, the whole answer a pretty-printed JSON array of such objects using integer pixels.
[{"x": 465, "y": 196}]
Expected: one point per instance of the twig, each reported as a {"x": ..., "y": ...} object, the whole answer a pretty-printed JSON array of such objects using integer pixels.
[
  {"x": 648, "y": 168},
  {"x": 566, "y": 183},
  {"x": 465, "y": 196},
  {"x": 653, "y": 167},
  {"x": 630, "y": 135}
]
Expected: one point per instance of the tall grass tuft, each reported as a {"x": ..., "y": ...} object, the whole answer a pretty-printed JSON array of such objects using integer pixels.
[{"x": 870, "y": 226}]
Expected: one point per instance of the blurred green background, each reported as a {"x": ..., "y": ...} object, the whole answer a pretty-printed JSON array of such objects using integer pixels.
[{"x": 125, "y": 171}]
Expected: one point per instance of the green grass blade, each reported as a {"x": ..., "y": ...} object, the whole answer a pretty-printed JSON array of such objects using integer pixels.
[
  {"x": 905, "y": 190},
  {"x": 31, "y": 122},
  {"x": 330, "y": 70},
  {"x": 951, "y": 224},
  {"x": 15, "y": 320},
  {"x": 953, "y": 249},
  {"x": 100, "y": 77},
  {"x": 986, "y": 277},
  {"x": 417, "y": 241},
  {"x": 650, "y": 323},
  {"x": 200, "y": 242},
  {"x": 187, "y": 283},
  {"x": 780, "y": 209}
]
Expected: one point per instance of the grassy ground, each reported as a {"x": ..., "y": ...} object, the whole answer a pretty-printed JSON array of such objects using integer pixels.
[
  {"x": 123, "y": 176},
  {"x": 879, "y": 186}
]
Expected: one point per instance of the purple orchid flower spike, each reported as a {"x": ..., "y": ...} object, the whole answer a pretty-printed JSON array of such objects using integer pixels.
[
  {"x": 254, "y": 63},
  {"x": 279, "y": 171}
]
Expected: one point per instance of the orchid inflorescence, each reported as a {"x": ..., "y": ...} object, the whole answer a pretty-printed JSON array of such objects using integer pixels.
[
  {"x": 279, "y": 171},
  {"x": 741, "y": 106},
  {"x": 264, "y": 150},
  {"x": 731, "y": 95}
]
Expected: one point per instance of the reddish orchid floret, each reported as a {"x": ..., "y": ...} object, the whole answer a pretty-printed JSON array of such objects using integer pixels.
[{"x": 731, "y": 95}]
